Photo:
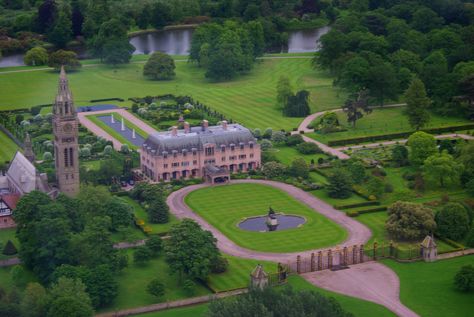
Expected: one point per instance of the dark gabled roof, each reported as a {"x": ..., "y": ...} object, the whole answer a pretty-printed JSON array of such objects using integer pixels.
[
  {"x": 10, "y": 200},
  {"x": 197, "y": 138}
]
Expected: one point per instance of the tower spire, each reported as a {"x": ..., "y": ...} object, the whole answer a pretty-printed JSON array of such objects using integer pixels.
[
  {"x": 28, "y": 152},
  {"x": 63, "y": 104}
]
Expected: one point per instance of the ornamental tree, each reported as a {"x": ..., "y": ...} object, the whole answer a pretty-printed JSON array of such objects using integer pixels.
[
  {"x": 156, "y": 288},
  {"x": 422, "y": 145},
  {"x": 339, "y": 184},
  {"x": 442, "y": 166},
  {"x": 158, "y": 210},
  {"x": 159, "y": 66},
  {"x": 452, "y": 221},
  {"x": 409, "y": 221},
  {"x": 36, "y": 56},
  {"x": 417, "y": 104},
  {"x": 400, "y": 155},
  {"x": 190, "y": 250},
  {"x": 66, "y": 58}
]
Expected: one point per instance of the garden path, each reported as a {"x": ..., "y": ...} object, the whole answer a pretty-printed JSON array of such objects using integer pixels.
[
  {"x": 371, "y": 281},
  {"x": 441, "y": 136},
  {"x": 357, "y": 232},
  {"x": 303, "y": 128},
  {"x": 92, "y": 127}
]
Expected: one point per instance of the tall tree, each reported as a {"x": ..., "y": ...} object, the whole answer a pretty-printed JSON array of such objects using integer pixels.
[
  {"x": 158, "y": 210},
  {"x": 442, "y": 166},
  {"x": 190, "y": 249},
  {"x": 382, "y": 82},
  {"x": 354, "y": 107},
  {"x": 61, "y": 32},
  {"x": 409, "y": 221},
  {"x": 69, "y": 299},
  {"x": 46, "y": 15},
  {"x": 417, "y": 104},
  {"x": 159, "y": 66},
  {"x": 284, "y": 91},
  {"x": 422, "y": 145}
]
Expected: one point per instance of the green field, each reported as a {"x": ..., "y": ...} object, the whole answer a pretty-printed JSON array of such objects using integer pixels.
[
  {"x": 8, "y": 148},
  {"x": 383, "y": 121},
  {"x": 250, "y": 99},
  {"x": 427, "y": 288},
  {"x": 225, "y": 206},
  {"x": 140, "y": 213},
  {"x": 286, "y": 155}
]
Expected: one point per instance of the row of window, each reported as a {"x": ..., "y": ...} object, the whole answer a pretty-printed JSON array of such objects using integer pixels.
[{"x": 208, "y": 151}]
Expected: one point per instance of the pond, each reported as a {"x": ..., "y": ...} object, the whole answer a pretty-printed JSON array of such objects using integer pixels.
[
  {"x": 123, "y": 130},
  {"x": 95, "y": 108},
  {"x": 259, "y": 223},
  {"x": 178, "y": 41},
  {"x": 12, "y": 60}
]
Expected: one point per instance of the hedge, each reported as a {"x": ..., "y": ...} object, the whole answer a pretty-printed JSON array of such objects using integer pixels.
[
  {"x": 364, "y": 204},
  {"x": 355, "y": 213},
  {"x": 400, "y": 135},
  {"x": 107, "y": 99}
]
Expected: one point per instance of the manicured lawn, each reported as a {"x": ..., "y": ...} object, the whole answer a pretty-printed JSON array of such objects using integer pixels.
[
  {"x": 286, "y": 155},
  {"x": 8, "y": 148},
  {"x": 428, "y": 289},
  {"x": 91, "y": 165},
  {"x": 382, "y": 121},
  {"x": 238, "y": 273},
  {"x": 133, "y": 281},
  {"x": 140, "y": 213},
  {"x": 249, "y": 99},
  {"x": 191, "y": 311},
  {"x": 225, "y": 206}
]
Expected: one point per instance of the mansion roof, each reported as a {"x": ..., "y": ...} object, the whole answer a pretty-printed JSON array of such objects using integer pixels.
[{"x": 196, "y": 138}]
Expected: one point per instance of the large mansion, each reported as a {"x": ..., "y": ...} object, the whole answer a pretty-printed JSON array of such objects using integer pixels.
[{"x": 205, "y": 151}]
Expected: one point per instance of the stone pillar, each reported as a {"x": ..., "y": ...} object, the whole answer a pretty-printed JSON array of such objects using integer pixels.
[
  {"x": 392, "y": 249},
  {"x": 344, "y": 257},
  {"x": 298, "y": 264},
  {"x": 312, "y": 262},
  {"x": 329, "y": 259},
  {"x": 320, "y": 260},
  {"x": 354, "y": 254},
  {"x": 374, "y": 256},
  {"x": 361, "y": 253}
]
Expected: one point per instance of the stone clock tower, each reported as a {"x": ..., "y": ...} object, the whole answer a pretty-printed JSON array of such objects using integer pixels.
[{"x": 65, "y": 130}]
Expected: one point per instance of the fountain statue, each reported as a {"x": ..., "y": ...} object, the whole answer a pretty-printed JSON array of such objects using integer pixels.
[
  {"x": 133, "y": 134},
  {"x": 272, "y": 221},
  {"x": 123, "y": 126},
  {"x": 112, "y": 119}
]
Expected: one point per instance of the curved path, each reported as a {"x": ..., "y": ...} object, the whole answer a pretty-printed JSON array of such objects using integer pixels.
[
  {"x": 357, "y": 232},
  {"x": 303, "y": 128},
  {"x": 370, "y": 281}
]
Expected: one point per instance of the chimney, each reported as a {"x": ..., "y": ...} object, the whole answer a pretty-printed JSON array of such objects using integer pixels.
[
  {"x": 174, "y": 131},
  {"x": 205, "y": 125},
  {"x": 186, "y": 127},
  {"x": 224, "y": 125}
]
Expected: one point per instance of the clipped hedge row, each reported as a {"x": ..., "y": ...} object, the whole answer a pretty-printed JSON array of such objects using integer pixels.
[
  {"x": 355, "y": 213},
  {"x": 399, "y": 135},
  {"x": 364, "y": 204},
  {"x": 107, "y": 99}
]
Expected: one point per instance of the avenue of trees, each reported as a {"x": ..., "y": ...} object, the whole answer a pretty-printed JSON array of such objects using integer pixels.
[{"x": 384, "y": 46}]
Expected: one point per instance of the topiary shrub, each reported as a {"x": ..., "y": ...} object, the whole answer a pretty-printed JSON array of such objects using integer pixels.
[
  {"x": 9, "y": 248},
  {"x": 308, "y": 148}
]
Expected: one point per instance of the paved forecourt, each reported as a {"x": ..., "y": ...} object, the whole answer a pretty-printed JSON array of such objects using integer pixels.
[{"x": 357, "y": 232}]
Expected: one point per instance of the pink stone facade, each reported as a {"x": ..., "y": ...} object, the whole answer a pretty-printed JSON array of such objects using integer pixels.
[{"x": 214, "y": 145}]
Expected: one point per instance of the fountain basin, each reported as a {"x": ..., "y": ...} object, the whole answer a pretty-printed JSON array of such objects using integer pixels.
[{"x": 258, "y": 224}]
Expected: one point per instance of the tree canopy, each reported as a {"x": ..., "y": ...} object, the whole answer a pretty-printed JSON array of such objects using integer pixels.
[
  {"x": 159, "y": 66},
  {"x": 409, "y": 221}
]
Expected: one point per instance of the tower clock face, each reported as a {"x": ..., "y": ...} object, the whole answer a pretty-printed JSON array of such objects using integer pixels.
[{"x": 67, "y": 127}]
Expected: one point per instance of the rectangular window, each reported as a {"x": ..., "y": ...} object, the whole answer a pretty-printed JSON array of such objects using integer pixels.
[
  {"x": 66, "y": 159},
  {"x": 175, "y": 164},
  {"x": 251, "y": 155},
  {"x": 184, "y": 163},
  {"x": 209, "y": 151},
  {"x": 241, "y": 146},
  {"x": 195, "y": 162},
  {"x": 243, "y": 156},
  {"x": 251, "y": 145},
  {"x": 175, "y": 154},
  {"x": 223, "y": 159},
  {"x": 194, "y": 152},
  {"x": 165, "y": 165},
  {"x": 232, "y": 147}
]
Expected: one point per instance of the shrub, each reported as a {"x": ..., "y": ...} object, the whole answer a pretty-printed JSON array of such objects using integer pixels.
[
  {"x": 9, "y": 248},
  {"x": 452, "y": 221},
  {"x": 308, "y": 148},
  {"x": 339, "y": 184},
  {"x": 156, "y": 288},
  {"x": 154, "y": 243},
  {"x": 47, "y": 156},
  {"x": 219, "y": 265},
  {"x": 400, "y": 155},
  {"x": 464, "y": 279},
  {"x": 278, "y": 137},
  {"x": 124, "y": 148},
  {"x": 36, "y": 56},
  {"x": 299, "y": 168},
  {"x": 294, "y": 139},
  {"x": 470, "y": 187},
  {"x": 142, "y": 255},
  {"x": 257, "y": 133},
  {"x": 273, "y": 169},
  {"x": 189, "y": 287},
  {"x": 266, "y": 145},
  {"x": 409, "y": 221},
  {"x": 388, "y": 188},
  {"x": 267, "y": 134},
  {"x": 375, "y": 186}
]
